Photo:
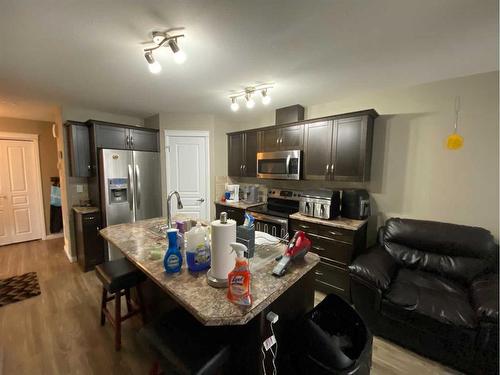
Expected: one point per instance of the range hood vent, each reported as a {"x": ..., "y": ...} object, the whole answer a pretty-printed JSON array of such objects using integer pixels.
[{"x": 289, "y": 114}]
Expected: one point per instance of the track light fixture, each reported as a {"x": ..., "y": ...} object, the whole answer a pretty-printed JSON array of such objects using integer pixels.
[
  {"x": 162, "y": 39},
  {"x": 247, "y": 95}
]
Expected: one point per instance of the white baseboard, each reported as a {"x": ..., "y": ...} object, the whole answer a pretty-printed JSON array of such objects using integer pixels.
[
  {"x": 71, "y": 258},
  {"x": 54, "y": 235}
]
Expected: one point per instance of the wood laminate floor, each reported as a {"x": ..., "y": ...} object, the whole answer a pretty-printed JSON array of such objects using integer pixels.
[{"x": 58, "y": 332}]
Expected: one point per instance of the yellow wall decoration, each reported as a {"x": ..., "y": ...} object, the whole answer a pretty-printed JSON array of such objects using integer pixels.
[{"x": 455, "y": 140}]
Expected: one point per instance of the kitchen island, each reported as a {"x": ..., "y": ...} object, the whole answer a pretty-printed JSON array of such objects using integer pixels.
[{"x": 290, "y": 296}]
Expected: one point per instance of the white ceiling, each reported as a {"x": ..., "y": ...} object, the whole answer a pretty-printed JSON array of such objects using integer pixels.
[{"x": 89, "y": 53}]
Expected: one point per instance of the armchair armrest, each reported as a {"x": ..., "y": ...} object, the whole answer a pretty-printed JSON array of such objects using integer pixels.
[
  {"x": 484, "y": 292},
  {"x": 376, "y": 267}
]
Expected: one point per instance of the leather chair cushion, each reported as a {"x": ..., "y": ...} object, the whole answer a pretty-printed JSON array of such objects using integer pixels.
[
  {"x": 455, "y": 251},
  {"x": 426, "y": 298},
  {"x": 376, "y": 266},
  {"x": 119, "y": 274},
  {"x": 484, "y": 292}
]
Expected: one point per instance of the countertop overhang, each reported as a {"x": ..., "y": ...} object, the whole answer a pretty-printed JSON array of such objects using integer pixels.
[{"x": 209, "y": 305}]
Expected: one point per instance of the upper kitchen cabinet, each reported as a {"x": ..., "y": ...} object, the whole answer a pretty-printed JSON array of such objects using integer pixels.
[
  {"x": 340, "y": 149},
  {"x": 318, "y": 150},
  {"x": 144, "y": 140},
  {"x": 79, "y": 148},
  {"x": 242, "y": 154},
  {"x": 122, "y": 137},
  {"x": 283, "y": 138}
]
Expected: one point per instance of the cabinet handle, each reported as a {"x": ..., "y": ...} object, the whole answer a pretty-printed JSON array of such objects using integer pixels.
[
  {"x": 332, "y": 168},
  {"x": 97, "y": 227},
  {"x": 88, "y": 167},
  {"x": 334, "y": 233},
  {"x": 241, "y": 169},
  {"x": 132, "y": 142},
  {"x": 319, "y": 248},
  {"x": 127, "y": 140},
  {"x": 244, "y": 169},
  {"x": 317, "y": 273},
  {"x": 277, "y": 140},
  {"x": 281, "y": 140},
  {"x": 326, "y": 169},
  {"x": 306, "y": 227}
]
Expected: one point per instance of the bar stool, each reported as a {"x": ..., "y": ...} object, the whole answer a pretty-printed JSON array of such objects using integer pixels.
[{"x": 117, "y": 277}]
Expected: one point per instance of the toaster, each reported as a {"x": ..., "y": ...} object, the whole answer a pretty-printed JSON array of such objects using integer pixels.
[{"x": 321, "y": 203}]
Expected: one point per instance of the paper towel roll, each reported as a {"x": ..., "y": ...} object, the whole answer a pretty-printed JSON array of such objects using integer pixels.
[{"x": 222, "y": 259}]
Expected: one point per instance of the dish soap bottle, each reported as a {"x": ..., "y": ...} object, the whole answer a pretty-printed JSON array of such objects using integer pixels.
[
  {"x": 239, "y": 278},
  {"x": 173, "y": 257},
  {"x": 197, "y": 249}
]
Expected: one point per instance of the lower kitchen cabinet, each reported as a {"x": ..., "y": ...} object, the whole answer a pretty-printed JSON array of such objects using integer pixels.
[
  {"x": 237, "y": 214},
  {"x": 336, "y": 247},
  {"x": 89, "y": 244}
]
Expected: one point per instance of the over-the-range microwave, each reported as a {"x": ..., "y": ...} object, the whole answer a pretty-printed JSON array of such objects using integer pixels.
[{"x": 279, "y": 165}]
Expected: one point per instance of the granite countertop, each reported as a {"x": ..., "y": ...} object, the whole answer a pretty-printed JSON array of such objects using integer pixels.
[
  {"x": 138, "y": 242},
  {"x": 340, "y": 222},
  {"x": 85, "y": 209},
  {"x": 241, "y": 204}
]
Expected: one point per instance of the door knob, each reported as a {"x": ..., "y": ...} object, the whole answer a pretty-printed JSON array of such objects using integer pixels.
[{"x": 201, "y": 200}]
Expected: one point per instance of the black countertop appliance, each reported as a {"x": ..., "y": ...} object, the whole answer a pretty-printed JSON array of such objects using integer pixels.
[{"x": 355, "y": 204}]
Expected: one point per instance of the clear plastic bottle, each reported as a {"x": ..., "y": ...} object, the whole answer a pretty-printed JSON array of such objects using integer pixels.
[{"x": 197, "y": 248}]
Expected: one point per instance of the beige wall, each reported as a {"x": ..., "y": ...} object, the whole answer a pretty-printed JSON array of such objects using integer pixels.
[
  {"x": 48, "y": 153},
  {"x": 413, "y": 174}
]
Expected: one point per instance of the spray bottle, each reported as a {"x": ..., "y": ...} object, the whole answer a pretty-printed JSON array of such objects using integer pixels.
[
  {"x": 173, "y": 257},
  {"x": 239, "y": 278}
]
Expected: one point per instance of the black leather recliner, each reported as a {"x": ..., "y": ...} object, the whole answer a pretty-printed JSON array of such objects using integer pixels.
[{"x": 433, "y": 288}]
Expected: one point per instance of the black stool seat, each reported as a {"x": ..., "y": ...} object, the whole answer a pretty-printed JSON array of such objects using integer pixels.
[
  {"x": 185, "y": 346},
  {"x": 119, "y": 274}
]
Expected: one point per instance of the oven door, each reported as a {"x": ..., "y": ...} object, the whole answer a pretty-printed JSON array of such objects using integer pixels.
[
  {"x": 275, "y": 226},
  {"x": 279, "y": 165}
]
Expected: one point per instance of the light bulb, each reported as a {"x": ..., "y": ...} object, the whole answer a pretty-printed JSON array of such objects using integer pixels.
[
  {"x": 180, "y": 57},
  {"x": 250, "y": 102},
  {"x": 155, "y": 67},
  {"x": 234, "y": 105},
  {"x": 266, "y": 99}
]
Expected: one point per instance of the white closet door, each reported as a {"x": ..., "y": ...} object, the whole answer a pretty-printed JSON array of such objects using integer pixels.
[{"x": 20, "y": 219}]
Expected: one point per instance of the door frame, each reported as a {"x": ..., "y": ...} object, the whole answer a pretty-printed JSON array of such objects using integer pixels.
[
  {"x": 27, "y": 137},
  {"x": 190, "y": 133}
]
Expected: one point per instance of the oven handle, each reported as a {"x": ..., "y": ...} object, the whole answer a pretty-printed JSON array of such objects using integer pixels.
[
  {"x": 288, "y": 165},
  {"x": 271, "y": 219}
]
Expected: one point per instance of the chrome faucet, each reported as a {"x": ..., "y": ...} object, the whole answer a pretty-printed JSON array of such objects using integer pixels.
[{"x": 179, "y": 206}]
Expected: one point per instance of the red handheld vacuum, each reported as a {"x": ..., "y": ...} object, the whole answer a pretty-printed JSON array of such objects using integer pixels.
[{"x": 297, "y": 248}]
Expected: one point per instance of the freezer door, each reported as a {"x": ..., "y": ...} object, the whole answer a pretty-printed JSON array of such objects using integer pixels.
[
  {"x": 118, "y": 186},
  {"x": 147, "y": 194}
]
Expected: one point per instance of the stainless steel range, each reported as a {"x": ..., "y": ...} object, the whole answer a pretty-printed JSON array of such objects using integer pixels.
[{"x": 272, "y": 217}]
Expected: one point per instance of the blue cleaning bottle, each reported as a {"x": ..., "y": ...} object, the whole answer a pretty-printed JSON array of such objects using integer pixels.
[{"x": 173, "y": 257}]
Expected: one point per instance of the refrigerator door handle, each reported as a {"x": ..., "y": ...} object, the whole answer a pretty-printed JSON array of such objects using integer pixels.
[
  {"x": 138, "y": 184},
  {"x": 130, "y": 189}
]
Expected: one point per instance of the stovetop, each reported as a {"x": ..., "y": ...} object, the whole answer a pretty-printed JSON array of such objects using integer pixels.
[{"x": 280, "y": 203}]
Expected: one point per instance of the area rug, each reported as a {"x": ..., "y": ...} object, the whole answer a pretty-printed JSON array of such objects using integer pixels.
[{"x": 18, "y": 288}]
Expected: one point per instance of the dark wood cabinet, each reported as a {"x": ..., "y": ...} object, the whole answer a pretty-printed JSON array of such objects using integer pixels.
[
  {"x": 237, "y": 214},
  {"x": 339, "y": 149},
  {"x": 79, "y": 149},
  {"x": 89, "y": 244},
  {"x": 242, "y": 154},
  {"x": 120, "y": 137},
  {"x": 318, "y": 150},
  {"x": 337, "y": 247},
  {"x": 289, "y": 137}
]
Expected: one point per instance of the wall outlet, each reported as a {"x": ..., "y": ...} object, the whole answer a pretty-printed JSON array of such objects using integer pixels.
[{"x": 79, "y": 188}]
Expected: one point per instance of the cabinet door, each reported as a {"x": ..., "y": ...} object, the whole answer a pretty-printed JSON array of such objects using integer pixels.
[
  {"x": 235, "y": 154},
  {"x": 235, "y": 214},
  {"x": 349, "y": 146},
  {"x": 93, "y": 242},
  {"x": 250, "y": 160},
  {"x": 318, "y": 147},
  {"x": 79, "y": 143},
  {"x": 292, "y": 137},
  {"x": 111, "y": 137},
  {"x": 269, "y": 140},
  {"x": 144, "y": 140}
]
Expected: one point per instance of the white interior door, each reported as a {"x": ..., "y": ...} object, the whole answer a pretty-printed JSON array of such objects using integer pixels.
[
  {"x": 187, "y": 172},
  {"x": 20, "y": 219}
]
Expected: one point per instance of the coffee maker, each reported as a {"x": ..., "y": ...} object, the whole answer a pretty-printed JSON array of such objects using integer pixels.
[{"x": 234, "y": 193}]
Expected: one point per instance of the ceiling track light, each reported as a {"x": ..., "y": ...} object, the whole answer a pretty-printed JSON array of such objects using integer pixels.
[
  {"x": 247, "y": 95},
  {"x": 162, "y": 39}
]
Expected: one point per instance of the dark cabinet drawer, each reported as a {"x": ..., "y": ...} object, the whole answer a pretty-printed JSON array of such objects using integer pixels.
[
  {"x": 336, "y": 251},
  {"x": 235, "y": 214},
  {"x": 335, "y": 233},
  {"x": 332, "y": 279},
  {"x": 304, "y": 226}
]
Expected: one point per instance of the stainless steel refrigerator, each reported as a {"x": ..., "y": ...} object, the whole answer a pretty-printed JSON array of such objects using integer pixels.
[{"x": 130, "y": 188}]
